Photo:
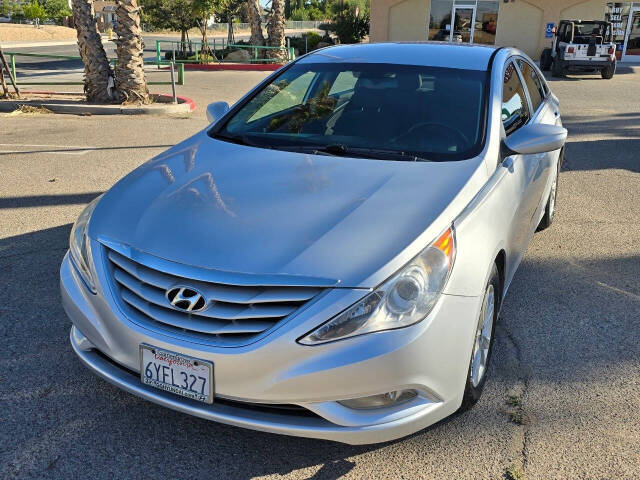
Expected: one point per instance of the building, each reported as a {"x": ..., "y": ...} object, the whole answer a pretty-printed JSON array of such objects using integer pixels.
[
  {"x": 526, "y": 24},
  {"x": 105, "y": 13}
]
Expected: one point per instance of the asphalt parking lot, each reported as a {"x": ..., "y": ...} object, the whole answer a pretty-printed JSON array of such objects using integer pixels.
[{"x": 563, "y": 400}]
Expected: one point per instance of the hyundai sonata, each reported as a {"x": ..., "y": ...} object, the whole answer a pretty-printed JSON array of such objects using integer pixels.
[{"x": 328, "y": 258}]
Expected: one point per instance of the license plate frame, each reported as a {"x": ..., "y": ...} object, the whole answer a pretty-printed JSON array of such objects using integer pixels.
[{"x": 183, "y": 363}]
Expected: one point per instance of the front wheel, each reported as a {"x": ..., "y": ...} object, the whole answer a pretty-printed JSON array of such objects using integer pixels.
[
  {"x": 608, "y": 72},
  {"x": 483, "y": 344},
  {"x": 550, "y": 208}
]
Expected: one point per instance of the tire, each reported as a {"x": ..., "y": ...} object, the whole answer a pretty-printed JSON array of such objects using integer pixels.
[
  {"x": 557, "y": 68},
  {"x": 550, "y": 207},
  {"x": 546, "y": 60},
  {"x": 477, "y": 378},
  {"x": 609, "y": 72}
]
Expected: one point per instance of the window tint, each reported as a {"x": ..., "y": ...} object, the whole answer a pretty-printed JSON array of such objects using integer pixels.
[
  {"x": 515, "y": 111},
  {"x": 344, "y": 82},
  {"x": 431, "y": 112},
  {"x": 283, "y": 95},
  {"x": 534, "y": 84}
]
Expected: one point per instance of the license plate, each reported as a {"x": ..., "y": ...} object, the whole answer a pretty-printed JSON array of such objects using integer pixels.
[{"x": 176, "y": 373}]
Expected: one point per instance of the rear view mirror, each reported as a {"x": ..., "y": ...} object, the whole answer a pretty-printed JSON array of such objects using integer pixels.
[
  {"x": 216, "y": 110},
  {"x": 536, "y": 138}
]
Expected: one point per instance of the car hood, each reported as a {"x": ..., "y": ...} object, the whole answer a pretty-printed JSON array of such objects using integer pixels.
[{"x": 233, "y": 208}]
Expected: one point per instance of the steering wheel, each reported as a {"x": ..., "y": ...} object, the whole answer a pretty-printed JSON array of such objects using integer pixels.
[{"x": 449, "y": 132}]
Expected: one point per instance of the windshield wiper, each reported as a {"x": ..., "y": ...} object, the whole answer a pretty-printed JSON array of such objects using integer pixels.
[{"x": 340, "y": 150}]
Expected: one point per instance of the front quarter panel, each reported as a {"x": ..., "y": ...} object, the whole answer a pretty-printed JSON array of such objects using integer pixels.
[{"x": 484, "y": 224}]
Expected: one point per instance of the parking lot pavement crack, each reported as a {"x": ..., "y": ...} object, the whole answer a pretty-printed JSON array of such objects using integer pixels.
[{"x": 515, "y": 400}]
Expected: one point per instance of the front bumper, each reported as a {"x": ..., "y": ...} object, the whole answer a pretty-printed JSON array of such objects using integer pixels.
[{"x": 431, "y": 357}]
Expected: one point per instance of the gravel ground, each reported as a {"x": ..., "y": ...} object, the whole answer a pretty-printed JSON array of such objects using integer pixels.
[
  {"x": 567, "y": 348},
  {"x": 12, "y": 32}
]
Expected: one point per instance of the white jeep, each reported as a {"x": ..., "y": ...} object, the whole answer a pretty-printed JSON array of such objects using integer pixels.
[{"x": 581, "y": 46}]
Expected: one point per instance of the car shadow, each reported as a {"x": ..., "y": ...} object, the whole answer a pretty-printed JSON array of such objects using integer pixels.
[
  {"x": 586, "y": 150},
  {"x": 562, "y": 321}
]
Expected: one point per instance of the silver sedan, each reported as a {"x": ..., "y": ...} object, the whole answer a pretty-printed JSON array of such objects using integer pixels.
[{"x": 328, "y": 258}]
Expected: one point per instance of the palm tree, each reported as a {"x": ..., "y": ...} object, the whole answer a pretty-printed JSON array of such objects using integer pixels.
[
  {"x": 131, "y": 84},
  {"x": 98, "y": 78},
  {"x": 275, "y": 29},
  {"x": 253, "y": 12}
]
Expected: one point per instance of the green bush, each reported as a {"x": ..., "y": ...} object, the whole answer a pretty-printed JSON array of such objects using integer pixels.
[
  {"x": 299, "y": 15},
  {"x": 312, "y": 40},
  {"x": 349, "y": 27},
  {"x": 57, "y": 9},
  {"x": 34, "y": 10}
]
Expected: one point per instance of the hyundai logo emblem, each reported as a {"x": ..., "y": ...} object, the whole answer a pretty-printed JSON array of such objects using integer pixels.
[{"x": 186, "y": 299}]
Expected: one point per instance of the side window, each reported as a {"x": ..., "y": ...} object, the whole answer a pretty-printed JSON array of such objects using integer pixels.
[
  {"x": 284, "y": 95},
  {"x": 534, "y": 84},
  {"x": 515, "y": 111},
  {"x": 344, "y": 82}
]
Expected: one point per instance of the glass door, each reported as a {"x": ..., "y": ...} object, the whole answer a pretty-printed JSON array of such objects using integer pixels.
[
  {"x": 632, "y": 45},
  {"x": 463, "y": 24}
]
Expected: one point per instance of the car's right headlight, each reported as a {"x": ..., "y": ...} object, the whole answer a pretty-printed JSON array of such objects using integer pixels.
[
  {"x": 403, "y": 300},
  {"x": 80, "y": 247}
]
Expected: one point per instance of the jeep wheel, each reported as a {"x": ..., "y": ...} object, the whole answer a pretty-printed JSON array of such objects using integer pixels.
[
  {"x": 607, "y": 73},
  {"x": 557, "y": 68},
  {"x": 546, "y": 60}
]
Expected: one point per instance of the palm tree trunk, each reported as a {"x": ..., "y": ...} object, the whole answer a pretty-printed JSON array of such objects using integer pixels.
[
  {"x": 230, "y": 36},
  {"x": 131, "y": 84},
  {"x": 253, "y": 11},
  {"x": 98, "y": 78},
  {"x": 275, "y": 29}
]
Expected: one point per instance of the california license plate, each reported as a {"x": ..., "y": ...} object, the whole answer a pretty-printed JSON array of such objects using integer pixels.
[{"x": 176, "y": 373}]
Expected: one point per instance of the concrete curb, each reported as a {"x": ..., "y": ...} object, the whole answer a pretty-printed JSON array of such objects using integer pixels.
[{"x": 184, "y": 105}]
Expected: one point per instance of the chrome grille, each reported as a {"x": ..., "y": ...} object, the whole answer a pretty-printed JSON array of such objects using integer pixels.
[{"x": 234, "y": 315}]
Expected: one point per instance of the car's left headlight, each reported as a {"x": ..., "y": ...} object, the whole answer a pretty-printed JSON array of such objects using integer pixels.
[
  {"x": 80, "y": 247},
  {"x": 404, "y": 299}
]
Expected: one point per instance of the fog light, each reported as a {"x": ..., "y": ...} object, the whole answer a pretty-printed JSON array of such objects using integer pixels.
[{"x": 382, "y": 400}]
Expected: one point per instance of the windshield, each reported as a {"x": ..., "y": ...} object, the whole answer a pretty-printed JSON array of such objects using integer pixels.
[
  {"x": 584, "y": 32},
  {"x": 363, "y": 109}
]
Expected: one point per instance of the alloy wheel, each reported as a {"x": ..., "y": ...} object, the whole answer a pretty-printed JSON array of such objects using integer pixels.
[
  {"x": 552, "y": 197},
  {"x": 483, "y": 337}
]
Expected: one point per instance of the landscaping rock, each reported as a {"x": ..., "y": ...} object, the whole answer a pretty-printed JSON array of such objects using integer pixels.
[{"x": 238, "y": 56}]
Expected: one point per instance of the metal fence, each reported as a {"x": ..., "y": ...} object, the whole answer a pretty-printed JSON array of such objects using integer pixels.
[
  {"x": 290, "y": 25},
  {"x": 217, "y": 51},
  {"x": 12, "y": 62}
]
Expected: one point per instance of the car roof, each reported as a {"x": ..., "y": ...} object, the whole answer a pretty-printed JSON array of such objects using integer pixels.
[{"x": 433, "y": 54}]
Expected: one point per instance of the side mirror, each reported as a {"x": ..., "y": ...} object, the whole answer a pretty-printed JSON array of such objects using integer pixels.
[
  {"x": 536, "y": 138},
  {"x": 216, "y": 110}
]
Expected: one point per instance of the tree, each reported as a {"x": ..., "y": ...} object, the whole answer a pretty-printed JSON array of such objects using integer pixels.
[
  {"x": 172, "y": 15},
  {"x": 98, "y": 78},
  {"x": 131, "y": 84},
  {"x": 275, "y": 29},
  {"x": 253, "y": 12},
  {"x": 57, "y": 9},
  {"x": 203, "y": 10},
  {"x": 227, "y": 10},
  {"x": 34, "y": 10},
  {"x": 350, "y": 22}
]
